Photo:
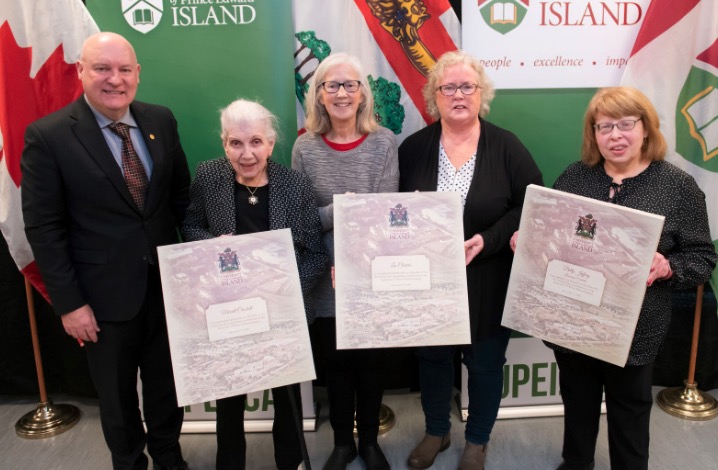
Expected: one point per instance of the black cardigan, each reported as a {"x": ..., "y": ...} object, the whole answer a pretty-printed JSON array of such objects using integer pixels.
[{"x": 504, "y": 167}]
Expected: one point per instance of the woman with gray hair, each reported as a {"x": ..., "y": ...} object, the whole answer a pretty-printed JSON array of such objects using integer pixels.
[
  {"x": 490, "y": 168},
  {"x": 345, "y": 150},
  {"x": 246, "y": 192}
]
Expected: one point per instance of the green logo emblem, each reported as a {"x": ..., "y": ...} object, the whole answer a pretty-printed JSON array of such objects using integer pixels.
[
  {"x": 503, "y": 16},
  {"x": 697, "y": 120}
]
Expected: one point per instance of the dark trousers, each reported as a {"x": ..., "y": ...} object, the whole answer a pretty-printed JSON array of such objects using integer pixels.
[
  {"x": 629, "y": 400},
  {"x": 123, "y": 348},
  {"x": 484, "y": 360},
  {"x": 231, "y": 444},
  {"x": 353, "y": 385}
]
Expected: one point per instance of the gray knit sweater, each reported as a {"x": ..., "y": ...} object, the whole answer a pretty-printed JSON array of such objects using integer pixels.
[{"x": 371, "y": 167}]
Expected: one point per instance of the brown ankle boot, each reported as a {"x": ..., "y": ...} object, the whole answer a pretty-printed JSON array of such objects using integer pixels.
[
  {"x": 474, "y": 457},
  {"x": 426, "y": 451}
]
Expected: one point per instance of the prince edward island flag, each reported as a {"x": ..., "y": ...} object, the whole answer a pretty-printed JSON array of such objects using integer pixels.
[
  {"x": 675, "y": 63},
  {"x": 397, "y": 43}
]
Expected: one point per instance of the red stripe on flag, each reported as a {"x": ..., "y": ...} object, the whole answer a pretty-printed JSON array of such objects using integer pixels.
[
  {"x": 660, "y": 16},
  {"x": 33, "y": 275},
  {"x": 432, "y": 33},
  {"x": 24, "y": 99},
  {"x": 710, "y": 55}
]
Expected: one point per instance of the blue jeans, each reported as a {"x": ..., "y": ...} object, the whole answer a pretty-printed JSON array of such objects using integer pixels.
[{"x": 484, "y": 360}]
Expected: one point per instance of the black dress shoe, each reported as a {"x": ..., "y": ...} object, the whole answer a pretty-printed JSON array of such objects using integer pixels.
[
  {"x": 588, "y": 466},
  {"x": 373, "y": 457},
  {"x": 180, "y": 466},
  {"x": 340, "y": 457}
]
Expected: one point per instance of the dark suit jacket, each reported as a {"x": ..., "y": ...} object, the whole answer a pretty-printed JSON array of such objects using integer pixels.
[
  {"x": 504, "y": 167},
  {"x": 91, "y": 242},
  {"x": 212, "y": 212}
]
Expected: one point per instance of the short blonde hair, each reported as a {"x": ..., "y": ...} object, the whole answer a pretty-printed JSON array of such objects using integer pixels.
[
  {"x": 244, "y": 111},
  {"x": 617, "y": 102},
  {"x": 318, "y": 120},
  {"x": 449, "y": 59}
]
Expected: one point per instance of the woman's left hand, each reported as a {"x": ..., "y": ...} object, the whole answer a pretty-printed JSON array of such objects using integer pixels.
[
  {"x": 473, "y": 247},
  {"x": 660, "y": 269}
]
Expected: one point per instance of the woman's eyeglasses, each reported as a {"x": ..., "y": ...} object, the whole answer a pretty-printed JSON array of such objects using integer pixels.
[
  {"x": 624, "y": 125},
  {"x": 450, "y": 90},
  {"x": 350, "y": 86}
]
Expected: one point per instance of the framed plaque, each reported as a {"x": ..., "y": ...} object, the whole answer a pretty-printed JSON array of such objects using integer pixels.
[
  {"x": 579, "y": 273},
  {"x": 235, "y": 315},
  {"x": 400, "y": 270}
]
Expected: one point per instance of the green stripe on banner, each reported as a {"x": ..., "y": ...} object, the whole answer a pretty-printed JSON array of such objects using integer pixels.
[{"x": 198, "y": 57}]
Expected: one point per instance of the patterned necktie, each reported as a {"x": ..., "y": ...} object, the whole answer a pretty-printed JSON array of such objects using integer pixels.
[{"x": 132, "y": 168}]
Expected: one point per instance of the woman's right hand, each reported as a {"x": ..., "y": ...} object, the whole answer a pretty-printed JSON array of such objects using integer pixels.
[{"x": 512, "y": 242}]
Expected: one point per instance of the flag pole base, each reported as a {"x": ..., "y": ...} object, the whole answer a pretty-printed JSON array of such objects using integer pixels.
[
  {"x": 47, "y": 420},
  {"x": 688, "y": 403},
  {"x": 387, "y": 420}
]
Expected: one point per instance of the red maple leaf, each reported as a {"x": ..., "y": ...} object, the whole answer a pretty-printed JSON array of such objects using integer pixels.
[{"x": 24, "y": 99}]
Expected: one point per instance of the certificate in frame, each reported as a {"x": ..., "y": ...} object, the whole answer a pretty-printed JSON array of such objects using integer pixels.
[
  {"x": 400, "y": 270},
  {"x": 235, "y": 315},
  {"x": 579, "y": 273}
]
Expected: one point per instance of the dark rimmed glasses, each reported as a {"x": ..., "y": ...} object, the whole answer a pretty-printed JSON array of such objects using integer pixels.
[
  {"x": 450, "y": 90},
  {"x": 350, "y": 86}
]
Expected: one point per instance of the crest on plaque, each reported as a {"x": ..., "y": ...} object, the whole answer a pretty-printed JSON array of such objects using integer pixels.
[
  {"x": 398, "y": 216},
  {"x": 586, "y": 226},
  {"x": 228, "y": 261}
]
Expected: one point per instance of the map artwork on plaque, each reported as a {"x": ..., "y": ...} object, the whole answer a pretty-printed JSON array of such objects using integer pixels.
[
  {"x": 400, "y": 270},
  {"x": 579, "y": 273},
  {"x": 235, "y": 315}
]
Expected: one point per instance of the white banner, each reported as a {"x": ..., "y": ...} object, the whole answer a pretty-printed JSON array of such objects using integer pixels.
[{"x": 580, "y": 44}]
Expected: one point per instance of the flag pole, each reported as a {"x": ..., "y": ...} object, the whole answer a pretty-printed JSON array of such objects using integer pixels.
[
  {"x": 47, "y": 419},
  {"x": 688, "y": 402}
]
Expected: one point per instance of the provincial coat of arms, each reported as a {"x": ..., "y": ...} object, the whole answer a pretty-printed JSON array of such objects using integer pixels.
[
  {"x": 586, "y": 226},
  {"x": 228, "y": 261},
  {"x": 398, "y": 216}
]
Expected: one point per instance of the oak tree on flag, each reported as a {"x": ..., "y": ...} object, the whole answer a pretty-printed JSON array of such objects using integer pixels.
[{"x": 675, "y": 63}]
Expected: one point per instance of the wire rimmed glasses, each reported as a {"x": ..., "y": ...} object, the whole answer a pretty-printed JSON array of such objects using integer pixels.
[{"x": 623, "y": 125}]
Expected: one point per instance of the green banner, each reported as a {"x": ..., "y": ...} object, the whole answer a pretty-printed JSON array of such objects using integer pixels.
[{"x": 197, "y": 56}]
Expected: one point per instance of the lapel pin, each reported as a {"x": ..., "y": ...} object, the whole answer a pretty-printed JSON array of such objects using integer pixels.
[{"x": 152, "y": 137}]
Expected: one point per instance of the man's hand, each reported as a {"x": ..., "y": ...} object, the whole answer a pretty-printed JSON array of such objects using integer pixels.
[{"x": 81, "y": 324}]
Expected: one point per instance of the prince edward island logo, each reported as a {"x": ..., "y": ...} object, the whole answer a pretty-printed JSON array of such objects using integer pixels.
[
  {"x": 142, "y": 15},
  {"x": 503, "y": 15}
]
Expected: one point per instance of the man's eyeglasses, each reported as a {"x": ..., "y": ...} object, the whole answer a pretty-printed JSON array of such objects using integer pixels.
[
  {"x": 607, "y": 127},
  {"x": 450, "y": 90},
  {"x": 350, "y": 86}
]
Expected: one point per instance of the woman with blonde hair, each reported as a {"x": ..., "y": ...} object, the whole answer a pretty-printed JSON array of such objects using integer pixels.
[{"x": 345, "y": 150}]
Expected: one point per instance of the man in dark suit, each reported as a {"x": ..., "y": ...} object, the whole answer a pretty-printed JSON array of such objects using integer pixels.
[{"x": 98, "y": 197}]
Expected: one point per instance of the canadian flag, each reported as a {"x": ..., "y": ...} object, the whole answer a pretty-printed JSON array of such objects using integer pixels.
[
  {"x": 40, "y": 41},
  {"x": 675, "y": 63}
]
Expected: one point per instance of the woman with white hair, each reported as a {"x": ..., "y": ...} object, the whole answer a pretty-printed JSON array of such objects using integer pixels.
[{"x": 246, "y": 192}]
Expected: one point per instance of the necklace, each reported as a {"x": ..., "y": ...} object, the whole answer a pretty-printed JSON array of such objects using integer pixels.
[{"x": 252, "y": 198}]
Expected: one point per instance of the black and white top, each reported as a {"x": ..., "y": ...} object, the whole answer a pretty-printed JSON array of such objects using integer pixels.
[
  {"x": 212, "y": 212},
  {"x": 453, "y": 180},
  {"x": 685, "y": 241}
]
